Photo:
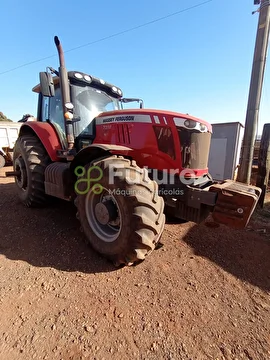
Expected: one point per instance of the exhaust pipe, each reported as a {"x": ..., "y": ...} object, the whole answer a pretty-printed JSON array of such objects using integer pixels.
[{"x": 65, "y": 91}]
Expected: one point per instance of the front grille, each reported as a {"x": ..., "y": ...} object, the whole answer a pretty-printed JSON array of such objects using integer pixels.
[{"x": 195, "y": 148}]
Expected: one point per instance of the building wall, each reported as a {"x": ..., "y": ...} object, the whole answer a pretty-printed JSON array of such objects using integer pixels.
[{"x": 225, "y": 150}]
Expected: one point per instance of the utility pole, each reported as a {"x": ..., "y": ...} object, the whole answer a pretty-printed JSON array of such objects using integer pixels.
[
  {"x": 264, "y": 163},
  {"x": 255, "y": 91}
]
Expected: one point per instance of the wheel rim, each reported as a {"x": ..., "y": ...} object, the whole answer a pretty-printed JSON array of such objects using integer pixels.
[
  {"x": 103, "y": 215},
  {"x": 21, "y": 179}
]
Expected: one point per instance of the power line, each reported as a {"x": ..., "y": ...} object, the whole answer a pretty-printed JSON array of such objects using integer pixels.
[
  {"x": 111, "y": 36},
  {"x": 142, "y": 25}
]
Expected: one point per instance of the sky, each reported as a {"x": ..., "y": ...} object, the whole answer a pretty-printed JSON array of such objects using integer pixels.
[{"x": 197, "y": 61}]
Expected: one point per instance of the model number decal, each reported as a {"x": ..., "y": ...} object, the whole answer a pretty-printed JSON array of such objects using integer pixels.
[{"x": 107, "y": 127}]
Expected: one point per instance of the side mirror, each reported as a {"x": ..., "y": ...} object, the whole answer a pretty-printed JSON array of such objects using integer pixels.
[
  {"x": 128, "y": 100},
  {"x": 46, "y": 84}
]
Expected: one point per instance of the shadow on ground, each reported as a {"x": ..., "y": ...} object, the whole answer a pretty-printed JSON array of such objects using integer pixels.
[
  {"x": 47, "y": 237},
  {"x": 244, "y": 254}
]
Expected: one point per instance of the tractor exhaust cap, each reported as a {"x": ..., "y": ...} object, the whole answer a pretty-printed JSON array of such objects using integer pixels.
[{"x": 56, "y": 41}]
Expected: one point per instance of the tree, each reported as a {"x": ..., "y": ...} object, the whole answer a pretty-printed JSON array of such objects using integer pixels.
[{"x": 3, "y": 117}]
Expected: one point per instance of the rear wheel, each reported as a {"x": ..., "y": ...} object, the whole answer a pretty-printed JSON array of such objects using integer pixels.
[
  {"x": 121, "y": 214},
  {"x": 29, "y": 161}
]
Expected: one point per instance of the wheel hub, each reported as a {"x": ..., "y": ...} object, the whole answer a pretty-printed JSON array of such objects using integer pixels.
[
  {"x": 103, "y": 215},
  {"x": 105, "y": 212},
  {"x": 21, "y": 178}
]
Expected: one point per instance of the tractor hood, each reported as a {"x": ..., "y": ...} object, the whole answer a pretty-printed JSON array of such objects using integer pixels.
[
  {"x": 156, "y": 117},
  {"x": 158, "y": 139}
]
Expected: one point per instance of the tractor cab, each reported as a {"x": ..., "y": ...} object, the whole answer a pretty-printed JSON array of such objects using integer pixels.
[{"x": 89, "y": 97}]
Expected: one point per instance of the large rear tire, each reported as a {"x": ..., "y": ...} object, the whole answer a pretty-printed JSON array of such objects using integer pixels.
[
  {"x": 121, "y": 215},
  {"x": 30, "y": 160}
]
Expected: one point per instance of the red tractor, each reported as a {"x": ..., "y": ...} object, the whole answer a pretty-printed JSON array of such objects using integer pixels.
[{"x": 123, "y": 168}]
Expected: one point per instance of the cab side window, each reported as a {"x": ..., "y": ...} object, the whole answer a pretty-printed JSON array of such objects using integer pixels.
[
  {"x": 56, "y": 110},
  {"x": 45, "y": 109},
  {"x": 52, "y": 109}
]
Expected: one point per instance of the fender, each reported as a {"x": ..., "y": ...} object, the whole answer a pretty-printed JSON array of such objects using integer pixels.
[
  {"x": 96, "y": 151},
  {"x": 46, "y": 134}
]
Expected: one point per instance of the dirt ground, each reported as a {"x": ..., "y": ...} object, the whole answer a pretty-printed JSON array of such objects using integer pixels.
[{"x": 203, "y": 295}]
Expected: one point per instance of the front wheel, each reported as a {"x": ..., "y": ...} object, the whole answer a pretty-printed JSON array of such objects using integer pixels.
[{"x": 121, "y": 214}]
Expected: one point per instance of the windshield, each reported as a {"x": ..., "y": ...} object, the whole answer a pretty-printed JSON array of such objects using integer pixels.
[{"x": 89, "y": 103}]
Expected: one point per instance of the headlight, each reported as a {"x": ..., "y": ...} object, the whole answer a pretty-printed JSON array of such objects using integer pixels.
[
  {"x": 190, "y": 124},
  {"x": 203, "y": 127},
  {"x": 69, "y": 105},
  {"x": 87, "y": 78},
  {"x": 78, "y": 75}
]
